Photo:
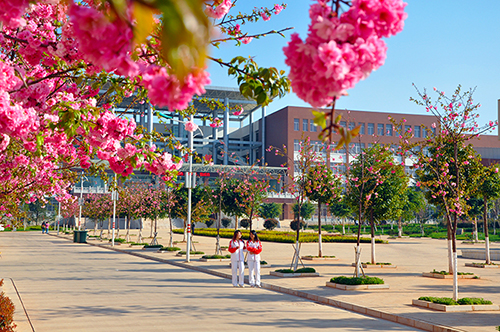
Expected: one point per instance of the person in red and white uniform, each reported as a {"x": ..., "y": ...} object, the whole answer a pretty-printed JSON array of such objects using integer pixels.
[
  {"x": 254, "y": 248},
  {"x": 237, "y": 249}
]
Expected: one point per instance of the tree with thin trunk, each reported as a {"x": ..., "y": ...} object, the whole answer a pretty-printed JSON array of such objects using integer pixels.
[
  {"x": 376, "y": 184},
  {"x": 414, "y": 202},
  {"x": 341, "y": 210},
  {"x": 448, "y": 168},
  {"x": 488, "y": 190},
  {"x": 323, "y": 187}
]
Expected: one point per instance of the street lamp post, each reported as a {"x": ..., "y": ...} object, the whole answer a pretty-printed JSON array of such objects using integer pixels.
[
  {"x": 80, "y": 203},
  {"x": 114, "y": 197},
  {"x": 189, "y": 186}
]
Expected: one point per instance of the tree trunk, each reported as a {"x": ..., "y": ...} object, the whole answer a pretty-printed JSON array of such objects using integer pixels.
[
  {"x": 400, "y": 227},
  {"x": 171, "y": 241},
  {"x": 449, "y": 240},
  {"x": 319, "y": 230},
  {"x": 95, "y": 226},
  {"x": 127, "y": 223},
  {"x": 139, "y": 236},
  {"x": 250, "y": 218},
  {"x": 455, "y": 267},
  {"x": 486, "y": 233},
  {"x": 372, "y": 224},
  {"x": 343, "y": 226},
  {"x": 151, "y": 232},
  {"x": 109, "y": 226}
]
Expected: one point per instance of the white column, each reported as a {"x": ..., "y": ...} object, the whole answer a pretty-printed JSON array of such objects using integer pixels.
[
  {"x": 226, "y": 126},
  {"x": 263, "y": 135}
]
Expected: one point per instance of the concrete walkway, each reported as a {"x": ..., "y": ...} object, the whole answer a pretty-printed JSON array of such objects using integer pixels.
[
  {"x": 412, "y": 256},
  {"x": 76, "y": 287}
]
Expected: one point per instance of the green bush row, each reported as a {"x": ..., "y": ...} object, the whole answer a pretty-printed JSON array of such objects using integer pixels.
[
  {"x": 448, "y": 273},
  {"x": 277, "y": 236},
  {"x": 357, "y": 280},
  {"x": 170, "y": 249},
  {"x": 216, "y": 256},
  {"x": 192, "y": 252},
  {"x": 450, "y": 301}
]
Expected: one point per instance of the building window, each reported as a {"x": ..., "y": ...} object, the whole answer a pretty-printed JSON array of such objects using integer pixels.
[
  {"x": 424, "y": 132},
  {"x": 343, "y": 124},
  {"x": 388, "y": 129},
  {"x": 296, "y": 145},
  {"x": 434, "y": 131},
  {"x": 361, "y": 128},
  {"x": 296, "y": 125},
  {"x": 352, "y": 125},
  {"x": 407, "y": 129},
  {"x": 417, "y": 131},
  {"x": 313, "y": 127},
  {"x": 380, "y": 129},
  {"x": 371, "y": 128},
  {"x": 305, "y": 125},
  {"x": 356, "y": 148},
  {"x": 175, "y": 130}
]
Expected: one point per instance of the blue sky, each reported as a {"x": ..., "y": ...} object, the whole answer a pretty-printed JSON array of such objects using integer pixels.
[{"x": 444, "y": 43}]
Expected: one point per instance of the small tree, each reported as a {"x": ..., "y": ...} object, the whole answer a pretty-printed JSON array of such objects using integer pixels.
[
  {"x": 270, "y": 210},
  {"x": 413, "y": 203},
  {"x": 323, "y": 187},
  {"x": 488, "y": 190},
  {"x": 340, "y": 209},
  {"x": 270, "y": 224}
]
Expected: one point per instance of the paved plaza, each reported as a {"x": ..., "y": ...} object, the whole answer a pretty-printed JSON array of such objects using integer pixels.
[{"x": 77, "y": 287}]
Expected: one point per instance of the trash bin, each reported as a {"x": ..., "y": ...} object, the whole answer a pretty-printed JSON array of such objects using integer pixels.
[{"x": 80, "y": 236}]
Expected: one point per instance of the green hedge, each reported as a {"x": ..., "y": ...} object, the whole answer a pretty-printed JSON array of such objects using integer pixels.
[
  {"x": 170, "y": 249},
  {"x": 192, "y": 253},
  {"x": 357, "y": 280},
  {"x": 216, "y": 256},
  {"x": 450, "y": 301},
  {"x": 277, "y": 236},
  {"x": 448, "y": 273}
]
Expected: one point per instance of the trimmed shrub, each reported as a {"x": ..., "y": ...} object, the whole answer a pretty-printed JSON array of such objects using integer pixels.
[
  {"x": 368, "y": 263},
  {"x": 305, "y": 270},
  {"x": 270, "y": 224},
  {"x": 153, "y": 246},
  {"x": 226, "y": 222},
  {"x": 6, "y": 313},
  {"x": 170, "y": 249},
  {"x": 446, "y": 273},
  {"x": 216, "y": 256},
  {"x": 261, "y": 262},
  {"x": 284, "y": 271},
  {"x": 357, "y": 280},
  {"x": 294, "y": 224},
  {"x": 245, "y": 223},
  {"x": 138, "y": 244},
  {"x": 473, "y": 301},
  {"x": 192, "y": 252},
  {"x": 439, "y": 300},
  {"x": 120, "y": 240},
  {"x": 210, "y": 222}
]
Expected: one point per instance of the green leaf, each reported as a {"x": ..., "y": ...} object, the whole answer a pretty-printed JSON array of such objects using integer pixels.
[
  {"x": 144, "y": 16},
  {"x": 319, "y": 118}
]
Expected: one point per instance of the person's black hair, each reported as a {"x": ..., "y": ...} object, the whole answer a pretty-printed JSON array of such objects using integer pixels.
[
  {"x": 255, "y": 236},
  {"x": 234, "y": 235}
]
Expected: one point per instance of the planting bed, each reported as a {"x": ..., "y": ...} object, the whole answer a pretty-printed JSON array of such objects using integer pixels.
[
  {"x": 356, "y": 287},
  {"x": 316, "y": 258},
  {"x": 455, "y": 308},
  {"x": 299, "y": 273},
  {"x": 482, "y": 265},
  {"x": 449, "y": 276},
  {"x": 376, "y": 266}
]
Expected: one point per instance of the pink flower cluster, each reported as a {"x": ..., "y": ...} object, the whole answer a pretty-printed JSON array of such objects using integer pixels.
[
  {"x": 11, "y": 12},
  {"x": 221, "y": 9},
  {"x": 105, "y": 44},
  {"x": 166, "y": 90},
  {"x": 163, "y": 164},
  {"x": 339, "y": 52}
]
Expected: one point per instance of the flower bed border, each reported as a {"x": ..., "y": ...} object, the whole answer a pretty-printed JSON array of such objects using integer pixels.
[
  {"x": 482, "y": 266},
  {"x": 294, "y": 275},
  {"x": 357, "y": 287},
  {"x": 308, "y": 258},
  {"x": 372, "y": 266},
  {"x": 449, "y": 276},
  {"x": 455, "y": 308}
]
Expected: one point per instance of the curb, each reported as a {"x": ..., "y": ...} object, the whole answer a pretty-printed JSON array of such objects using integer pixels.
[{"x": 419, "y": 324}]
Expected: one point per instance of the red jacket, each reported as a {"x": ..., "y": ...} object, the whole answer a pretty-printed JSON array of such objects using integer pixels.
[
  {"x": 233, "y": 246},
  {"x": 254, "y": 247}
]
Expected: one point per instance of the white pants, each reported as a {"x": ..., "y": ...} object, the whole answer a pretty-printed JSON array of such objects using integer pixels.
[
  {"x": 254, "y": 272},
  {"x": 234, "y": 267}
]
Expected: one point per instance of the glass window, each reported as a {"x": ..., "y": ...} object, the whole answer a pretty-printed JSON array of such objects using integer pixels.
[
  {"x": 380, "y": 129},
  {"x": 371, "y": 128},
  {"x": 343, "y": 124},
  {"x": 175, "y": 130},
  {"x": 361, "y": 128},
  {"x": 356, "y": 148},
  {"x": 388, "y": 129},
  {"x": 417, "y": 131},
  {"x": 296, "y": 124},
  {"x": 313, "y": 126},
  {"x": 352, "y": 125},
  {"x": 434, "y": 131},
  {"x": 305, "y": 125},
  {"x": 424, "y": 132},
  {"x": 296, "y": 145}
]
